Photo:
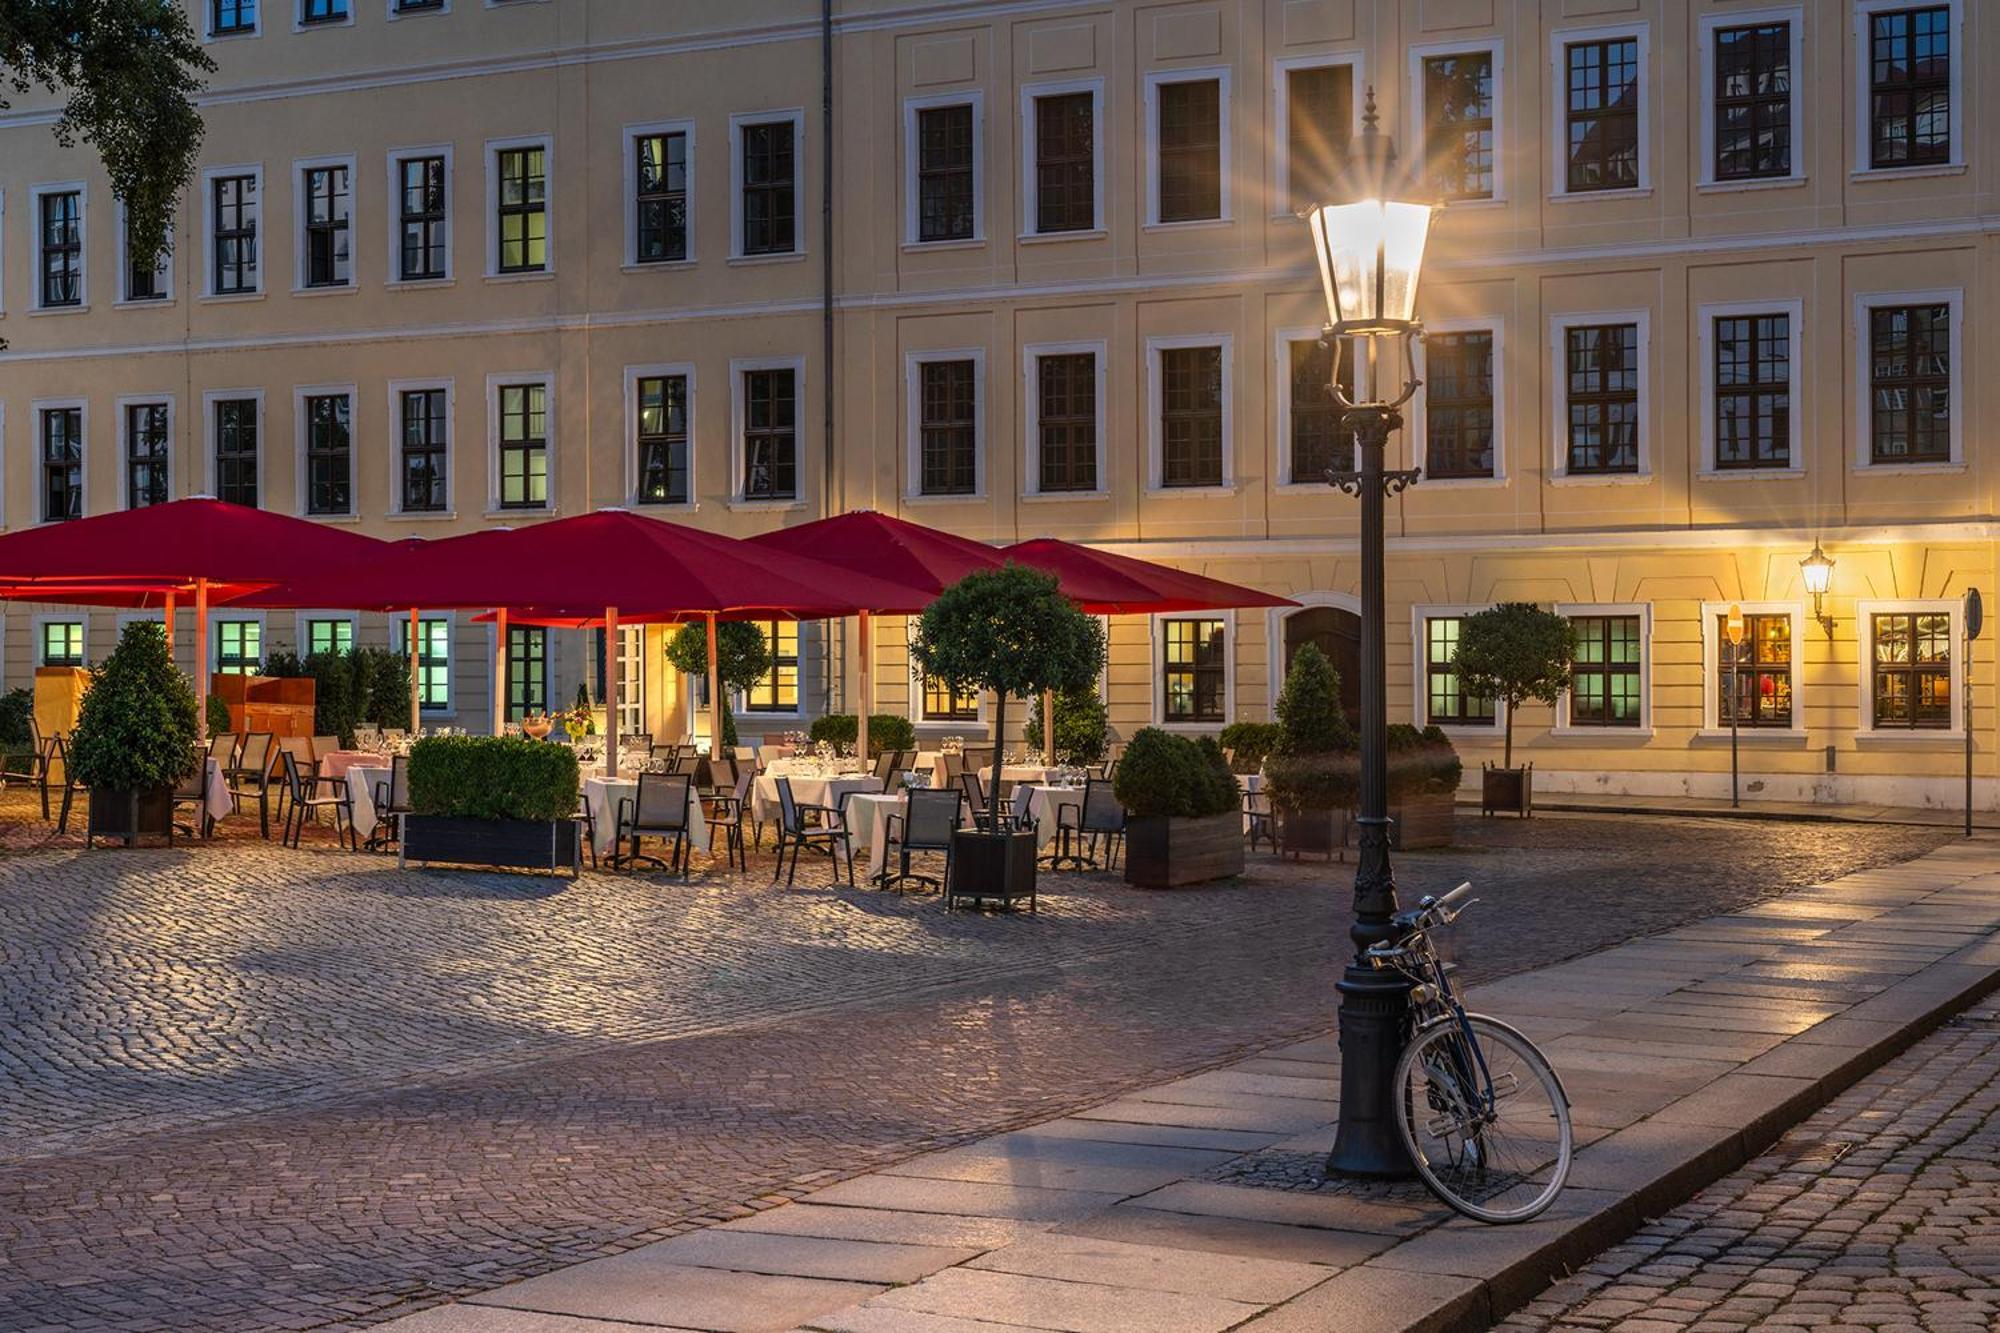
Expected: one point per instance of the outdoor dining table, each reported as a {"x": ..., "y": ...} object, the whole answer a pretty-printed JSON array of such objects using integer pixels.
[
  {"x": 362, "y": 775},
  {"x": 808, "y": 789},
  {"x": 1042, "y": 802},
  {"x": 335, "y": 763},
  {"x": 601, "y": 796},
  {"x": 868, "y": 818},
  {"x": 1017, "y": 773}
]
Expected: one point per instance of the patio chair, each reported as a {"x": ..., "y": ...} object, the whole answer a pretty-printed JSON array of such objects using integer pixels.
[
  {"x": 193, "y": 790},
  {"x": 886, "y": 765},
  {"x": 299, "y": 748},
  {"x": 980, "y": 757},
  {"x": 728, "y": 814},
  {"x": 59, "y": 759},
  {"x": 586, "y": 827},
  {"x": 251, "y": 773},
  {"x": 685, "y": 764},
  {"x": 975, "y": 799},
  {"x": 322, "y": 746},
  {"x": 1081, "y": 825},
  {"x": 819, "y": 828},
  {"x": 925, "y": 827},
  {"x": 1260, "y": 822},
  {"x": 305, "y": 801},
  {"x": 392, "y": 798},
  {"x": 666, "y": 753},
  {"x": 36, "y": 772},
  {"x": 659, "y": 811}
]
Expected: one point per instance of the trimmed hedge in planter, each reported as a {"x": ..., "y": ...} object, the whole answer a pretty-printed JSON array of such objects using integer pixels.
[
  {"x": 886, "y": 731},
  {"x": 1184, "y": 818},
  {"x": 492, "y": 801}
]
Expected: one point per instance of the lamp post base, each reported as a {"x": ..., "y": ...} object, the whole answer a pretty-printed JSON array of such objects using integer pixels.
[{"x": 1374, "y": 1014}]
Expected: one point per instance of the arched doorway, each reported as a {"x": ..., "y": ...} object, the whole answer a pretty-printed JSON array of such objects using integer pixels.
[{"x": 1336, "y": 632}]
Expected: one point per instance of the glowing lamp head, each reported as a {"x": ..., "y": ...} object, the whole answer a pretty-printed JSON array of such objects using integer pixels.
[
  {"x": 1817, "y": 571},
  {"x": 1370, "y": 245}
]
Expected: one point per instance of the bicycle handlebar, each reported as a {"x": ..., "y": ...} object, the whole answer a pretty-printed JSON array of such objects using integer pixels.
[{"x": 1450, "y": 902}]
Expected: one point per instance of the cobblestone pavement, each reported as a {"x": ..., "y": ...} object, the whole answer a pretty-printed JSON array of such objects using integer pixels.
[
  {"x": 1881, "y": 1212},
  {"x": 243, "y": 1088}
]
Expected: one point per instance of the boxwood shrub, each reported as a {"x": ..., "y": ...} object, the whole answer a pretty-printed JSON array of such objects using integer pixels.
[
  {"x": 1251, "y": 741},
  {"x": 492, "y": 777},
  {"x": 1165, "y": 774},
  {"x": 886, "y": 731}
]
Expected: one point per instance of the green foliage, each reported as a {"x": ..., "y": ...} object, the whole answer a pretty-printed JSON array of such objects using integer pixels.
[
  {"x": 387, "y": 677},
  {"x": 1514, "y": 652},
  {"x": 886, "y": 731},
  {"x": 1250, "y": 742},
  {"x": 1011, "y": 631},
  {"x": 742, "y": 658},
  {"x": 1165, "y": 774},
  {"x": 282, "y": 665},
  {"x": 218, "y": 716},
  {"x": 17, "y": 712},
  {"x": 1082, "y": 725},
  {"x": 138, "y": 726},
  {"x": 493, "y": 777},
  {"x": 1422, "y": 761},
  {"x": 1310, "y": 720},
  {"x": 333, "y": 695}
]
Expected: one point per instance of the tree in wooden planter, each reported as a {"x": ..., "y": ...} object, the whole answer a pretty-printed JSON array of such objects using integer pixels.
[
  {"x": 1183, "y": 811},
  {"x": 742, "y": 658},
  {"x": 1314, "y": 772},
  {"x": 1424, "y": 773},
  {"x": 1512, "y": 653},
  {"x": 499, "y": 801},
  {"x": 1010, "y": 631},
  {"x": 135, "y": 737}
]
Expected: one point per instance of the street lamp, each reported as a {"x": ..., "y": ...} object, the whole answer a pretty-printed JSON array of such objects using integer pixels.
[
  {"x": 1371, "y": 251},
  {"x": 1817, "y": 572},
  {"x": 1733, "y": 628}
]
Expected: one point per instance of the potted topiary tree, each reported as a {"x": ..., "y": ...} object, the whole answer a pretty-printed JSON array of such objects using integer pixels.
[
  {"x": 1424, "y": 773},
  {"x": 742, "y": 657},
  {"x": 1313, "y": 769},
  {"x": 135, "y": 737},
  {"x": 497, "y": 801},
  {"x": 1082, "y": 724},
  {"x": 1183, "y": 811},
  {"x": 1512, "y": 653},
  {"x": 1010, "y": 631}
]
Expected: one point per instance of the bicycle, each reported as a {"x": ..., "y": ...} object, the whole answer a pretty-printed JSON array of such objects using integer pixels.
[{"x": 1483, "y": 1115}]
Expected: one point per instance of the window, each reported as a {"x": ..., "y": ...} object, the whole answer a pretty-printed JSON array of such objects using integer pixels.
[
  {"x": 419, "y": 6},
  {"x": 948, "y": 427},
  {"x": 1912, "y": 670},
  {"x": 62, "y": 643},
  {"x": 662, "y": 406},
  {"x": 229, "y": 17},
  {"x": 1909, "y": 87},
  {"x": 770, "y": 434},
  {"x": 524, "y": 446},
  {"x": 1191, "y": 429},
  {"x": 1065, "y": 179},
  {"x": 1762, "y": 669},
  {"x": 61, "y": 249},
  {"x": 322, "y": 11},
  {"x": 1458, "y": 405},
  {"x": 527, "y": 671},
  {"x": 239, "y": 647},
  {"x": 769, "y": 187},
  {"x": 1317, "y": 444},
  {"x": 944, "y": 704},
  {"x": 1446, "y": 701},
  {"x": 947, "y": 153},
  {"x": 433, "y": 661},
  {"x": 522, "y": 209},
  {"x": 148, "y": 436},
  {"x": 328, "y": 209},
  {"x": 329, "y": 454},
  {"x": 631, "y": 702},
  {"x": 1606, "y": 679},
  {"x": 1602, "y": 115},
  {"x": 62, "y": 463},
  {"x": 329, "y": 636},
  {"x": 1190, "y": 148},
  {"x": 236, "y": 212},
  {"x": 1458, "y": 123},
  {"x": 1197, "y": 670},
  {"x": 1319, "y": 127},
  {"x": 777, "y": 691},
  {"x": 1065, "y": 390},
  {"x": 145, "y": 279},
  {"x": 1753, "y": 102},
  {"x": 236, "y": 449},
  {"x": 425, "y": 450},
  {"x": 660, "y": 164},
  {"x": 423, "y": 226},
  {"x": 1753, "y": 390},
  {"x": 1909, "y": 380},
  {"x": 1601, "y": 374}
]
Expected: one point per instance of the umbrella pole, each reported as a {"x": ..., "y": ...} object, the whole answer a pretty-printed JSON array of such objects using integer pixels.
[
  {"x": 611, "y": 691},
  {"x": 1048, "y": 726},
  {"x": 499, "y": 670},
  {"x": 714, "y": 692},
  {"x": 416, "y": 675},
  {"x": 201, "y": 653},
  {"x": 167, "y": 619},
  {"x": 867, "y": 693}
]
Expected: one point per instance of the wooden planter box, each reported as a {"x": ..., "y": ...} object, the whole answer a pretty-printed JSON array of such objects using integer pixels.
[
  {"x": 1509, "y": 789},
  {"x": 1164, "y": 853},
  {"x": 1312, "y": 832},
  {"x": 130, "y": 815},
  {"x": 991, "y": 867},
  {"x": 1422, "y": 821},
  {"x": 502, "y": 844}
]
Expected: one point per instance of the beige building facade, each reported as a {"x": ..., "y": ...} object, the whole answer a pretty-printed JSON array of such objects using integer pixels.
[{"x": 1709, "y": 292}]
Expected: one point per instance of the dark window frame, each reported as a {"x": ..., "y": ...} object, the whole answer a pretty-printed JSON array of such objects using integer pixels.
[
  {"x": 781, "y": 689},
  {"x": 327, "y": 192},
  {"x": 663, "y": 458},
  {"x": 229, "y": 18},
  {"x": 527, "y": 671},
  {"x": 423, "y": 450},
  {"x": 1441, "y": 682},
  {"x": 946, "y": 153},
  {"x": 768, "y": 188},
  {"x": 423, "y": 218},
  {"x": 61, "y": 459},
  {"x": 314, "y": 644},
  {"x": 73, "y": 651},
  {"x": 1316, "y": 153},
  {"x": 1753, "y": 115},
  {"x": 151, "y": 282},
  {"x": 1593, "y": 118},
  {"x": 1744, "y": 394},
  {"x": 1194, "y": 676},
  {"x": 522, "y": 415},
  {"x": 1190, "y": 145},
  {"x": 1913, "y": 384},
  {"x": 314, "y": 13},
  {"x": 433, "y": 660},
  {"x": 59, "y": 249},
  {"x": 1921, "y": 674},
  {"x": 329, "y": 454},
  {"x": 148, "y": 453},
  {"x": 770, "y": 399},
  {"x": 1461, "y": 129},
  {"x": 948, "y": 420},
  {"x": 1898, "y": 140},
  {"x": 1193, "y": 425},
  {"x": 1315, "y": 443},
  {"x": 1066, "y": 422},
  {"x": 1594, "y": 394},
  {"x": 237, "y": 201},
  {"x": 234, "y": 443},
  {"x": 1762, "y": 677},
  {"x": 1066, "y": 145},
  {"x": 941, "y": 703},
  {"x": 659, "y": 205},
  {"x": 520, "y": 203},
  {"x": 1603, "y": 634},
  {"x": 1461, "y": 419},
  {"x": 245, "y": 655}
]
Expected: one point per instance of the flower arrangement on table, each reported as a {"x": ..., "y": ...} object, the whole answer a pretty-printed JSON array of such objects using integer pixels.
[{"x": 577, "y": 722}]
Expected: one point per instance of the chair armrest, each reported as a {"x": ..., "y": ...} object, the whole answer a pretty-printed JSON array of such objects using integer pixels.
[
  {"x": 839, "y": 817},
  {"x": 889, "y": 829}
]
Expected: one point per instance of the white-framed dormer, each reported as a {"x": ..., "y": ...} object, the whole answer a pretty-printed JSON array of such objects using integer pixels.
[
  {"x": 628, "y": 171},
  {"x": 796, "y": 116},
  {"x": 320, "y": 15},
  {"x": 396, "y": 390},
  {"x": 1031, "y": 416},
  {"x": 1560, "y": 40},
  {"x": 122, "y": 429},
  {"x": 301, "y": 250},
  {"x": 913, "y": 107},
  {"x": 1705, "y": 345},
  {"x": 232, "y": 20},
  {"x": 1156, "y": 637},
  {"x": 1417, "y": 429},
  {"x": 163, "y": 269},
  {"x": 1712, "y": 675},
  {"x": 37, "y": 238},
  {"x": 211, "y": 483},
  {"x": 1868, "y": 726},
  {"x": 1418, "y": 128},
  {"x": 1030, "y": 92},
  {"x": 302, "y": 395},
  {"x": 1565, "y": 726},
  {"x": 1558, "y": 353},
  {"x": 1705, "y": 94},
  {"x": 739, "y": 420},
  {"x": 392, "y": 267},
  {"x": 1863, "y": 406},
  {"x": 38, "y": 410},
  {"x": 1155, "y": 403},
  {"x": 490, "y": 221},
  {"x": 1863, "y": 167},
  {"x": 685, "y": 371},
  {"x": 496, "y": 383},
  {"x": 1281, "y": 114},
  {"x": 914, "y": 362},
  {"x": 1150, "y": 132},
  {"x": 210, "y": 276},
  {"x": 1421, "y": 616}
]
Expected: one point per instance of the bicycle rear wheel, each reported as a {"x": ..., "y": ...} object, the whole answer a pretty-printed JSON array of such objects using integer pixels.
[{"x": 1497, "y": 1159}]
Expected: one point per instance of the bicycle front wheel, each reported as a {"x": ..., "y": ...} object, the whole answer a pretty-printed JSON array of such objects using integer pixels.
[{"x": 1484, "y": 1119}]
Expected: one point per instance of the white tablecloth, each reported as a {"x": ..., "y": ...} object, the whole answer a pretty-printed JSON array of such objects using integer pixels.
[
  {"x": 361, "y": 780},
  {"x": 1016, "y": 773},
  {"x": 806, "y": 791},
  {"x": 602, "y": 794},
  {"x": 868, "y": 821},
  {"x": 220, "y": 802},
  {"x": 1253, "y": 783},
  {"x": 1043, "y": 803}
]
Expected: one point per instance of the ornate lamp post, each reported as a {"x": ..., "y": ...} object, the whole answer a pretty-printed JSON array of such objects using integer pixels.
[{"x": 1371, "y": 250}]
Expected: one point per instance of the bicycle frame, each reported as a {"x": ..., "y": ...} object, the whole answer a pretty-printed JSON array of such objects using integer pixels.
[{"x": 1430, "y": 973}]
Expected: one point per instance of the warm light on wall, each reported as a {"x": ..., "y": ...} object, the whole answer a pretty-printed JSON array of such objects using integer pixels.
[{"x": 1817, "y": 572}]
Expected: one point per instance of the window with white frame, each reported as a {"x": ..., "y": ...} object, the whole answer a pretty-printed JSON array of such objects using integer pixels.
[
  {"x": 235, "y": 430},
  {"x": 946, "y": 432},
  {"x": 1190, "y": 417},
  {"x": 1600, "y": 110},
  {"x": 944, "y": 184},
  {"x": 60, "y": 643},
  {"x": 1065, "y": 406},
  {"x": 423, "y": 447},
  {"x": 1601, "y": 383},
  {"x": 239, "y": 647},
  {"x": 1753, "y": 60},
  {"x": 148, "y": 432},
  {"x": 59, "y": 247},
  {"x": 659, "y": 183},
  {"x": 1459, "y": 97},
  {"x": 433, "y": 660},
  {"x": 1910, "y": 394},
  {"x": 1063, "y": 171},
  {"x": 329, "y": 634},
  {"x": 423, "y": 216},
  {"x": 326, "y": 216},
  {"x": 1752, "y": 682},
  {"x": 235, "y": 212},
  {"x": 1911, "y": 85},
  {"x": 1911, "y": 655},
  {"x": 660, "y": 405},
  {"x": 520, "y": 208},
  {"x": 521, "y": 443},
  {"x": 1188, "y": 121},
  {"x": 327, "y": 420},
  {"x": 767, "y": 410},
  {"x": 1194, "y": 670},
  {"x": 1447, "y": 703},
  {"x": 61, "y": 451},
  {"x": 765, "y": 162},
  {"x": 1608, "y": 674},
  {"x": 1750, "y": 378},
  {"x": 631, "y": 701},
  {"x": 1317, "y": 106}
]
